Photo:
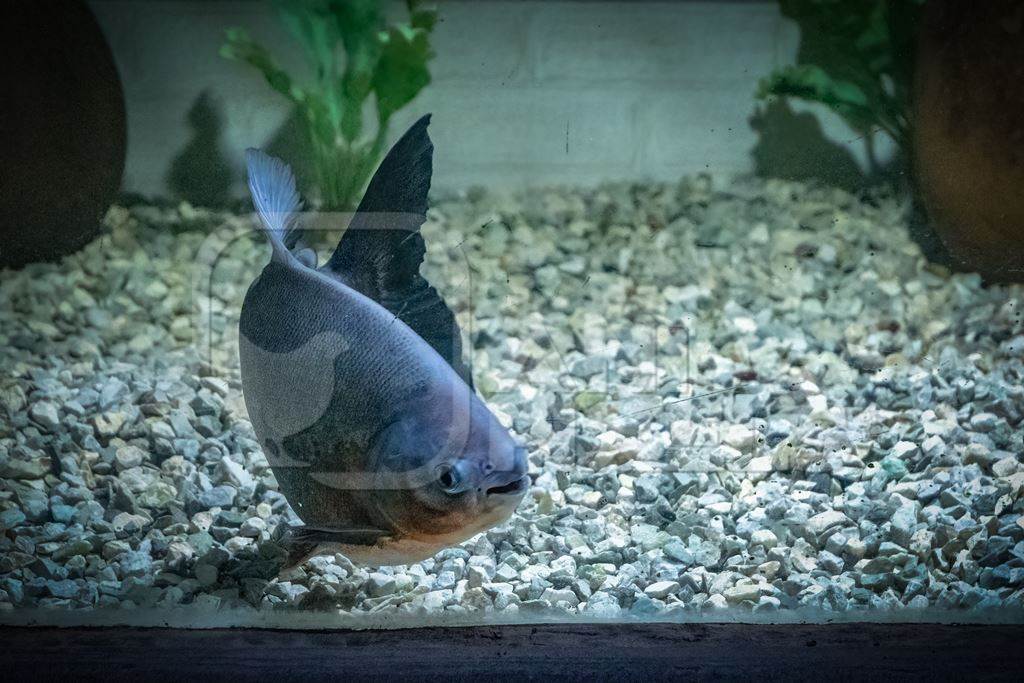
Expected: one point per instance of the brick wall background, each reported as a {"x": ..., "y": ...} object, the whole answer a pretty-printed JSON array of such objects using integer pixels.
[{"x": 523, "y": 92}]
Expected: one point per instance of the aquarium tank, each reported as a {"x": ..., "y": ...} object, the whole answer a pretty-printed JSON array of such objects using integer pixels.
[{"x": 366, "y": 314}]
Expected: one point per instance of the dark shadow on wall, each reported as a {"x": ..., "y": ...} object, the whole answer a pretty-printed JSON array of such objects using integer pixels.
[
  {"x": 793, "y": 146},
  {"x": 200, "y": 174}
]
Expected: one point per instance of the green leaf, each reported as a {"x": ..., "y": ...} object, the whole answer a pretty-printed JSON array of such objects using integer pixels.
[
  {"x": 855, "y": 57},
  {"x": 358, "y": 22},
  {"x": 240, "y": 47},
  {"x": 811, "y": 83},
  {"x": 402, "y": 71},
  {"x": 421, "y": 16},
  {"x": 309, "y": 23}
]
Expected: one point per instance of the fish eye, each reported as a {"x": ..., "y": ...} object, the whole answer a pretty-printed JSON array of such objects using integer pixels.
[{"x": 449, "y": 478}]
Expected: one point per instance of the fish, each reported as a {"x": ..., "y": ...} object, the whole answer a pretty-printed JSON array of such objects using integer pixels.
[{"x": 355, "y": 381}]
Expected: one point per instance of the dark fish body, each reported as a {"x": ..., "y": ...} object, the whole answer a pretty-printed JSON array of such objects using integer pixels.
[{"x": 377, "y": 440}]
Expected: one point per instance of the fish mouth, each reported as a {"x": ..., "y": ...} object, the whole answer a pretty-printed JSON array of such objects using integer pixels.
[{"x": 514, "y": 487}]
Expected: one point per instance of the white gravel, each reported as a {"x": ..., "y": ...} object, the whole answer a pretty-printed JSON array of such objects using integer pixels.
[{"x": 858, "y": 446}]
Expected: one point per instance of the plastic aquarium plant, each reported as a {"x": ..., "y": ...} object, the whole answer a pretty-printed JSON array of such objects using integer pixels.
[
  {"x": 857, "y": 59},
  {"x": 353, "y": 53}
]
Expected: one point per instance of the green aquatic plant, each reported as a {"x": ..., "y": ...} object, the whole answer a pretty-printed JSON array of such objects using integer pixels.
[
  {"x": 856, "y": 58},
  {"x": 353, "y": 53}
]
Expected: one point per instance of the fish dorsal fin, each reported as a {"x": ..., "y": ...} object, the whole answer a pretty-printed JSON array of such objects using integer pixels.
[{"x": 381, "y": 251}]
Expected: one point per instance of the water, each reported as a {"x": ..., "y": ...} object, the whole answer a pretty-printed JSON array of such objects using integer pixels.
[{"x": 743, "y": 398}]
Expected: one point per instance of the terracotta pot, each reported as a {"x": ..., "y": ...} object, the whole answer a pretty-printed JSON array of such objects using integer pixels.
[
  {"x": 969, "y": 131},
  {"x": 62, "y": 129}
]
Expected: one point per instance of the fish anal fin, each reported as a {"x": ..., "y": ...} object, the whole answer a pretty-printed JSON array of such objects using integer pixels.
[{"x": 303, "y": 542}]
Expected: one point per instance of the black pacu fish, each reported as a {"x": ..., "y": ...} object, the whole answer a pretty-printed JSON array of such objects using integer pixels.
[{"x": 355, "y": 384}]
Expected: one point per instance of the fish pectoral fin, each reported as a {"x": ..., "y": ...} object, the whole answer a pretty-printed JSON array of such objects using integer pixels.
[{"x": 301, "y": 542}]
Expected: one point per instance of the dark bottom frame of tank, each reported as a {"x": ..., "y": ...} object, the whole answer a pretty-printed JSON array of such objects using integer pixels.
[{"x": 723, "y": 651}]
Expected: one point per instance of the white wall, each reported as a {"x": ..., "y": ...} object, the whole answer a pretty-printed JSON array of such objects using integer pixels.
[{"x": 523, "y": 92}]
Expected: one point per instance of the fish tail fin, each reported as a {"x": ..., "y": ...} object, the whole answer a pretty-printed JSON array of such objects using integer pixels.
[{"x": 272, "y": 186}]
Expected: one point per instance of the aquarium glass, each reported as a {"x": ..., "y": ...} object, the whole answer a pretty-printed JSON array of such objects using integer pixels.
[{"x": 718, "y": 276}]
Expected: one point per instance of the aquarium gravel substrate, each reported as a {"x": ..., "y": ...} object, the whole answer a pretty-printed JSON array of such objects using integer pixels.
[{"x": 742, "y": 398}]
